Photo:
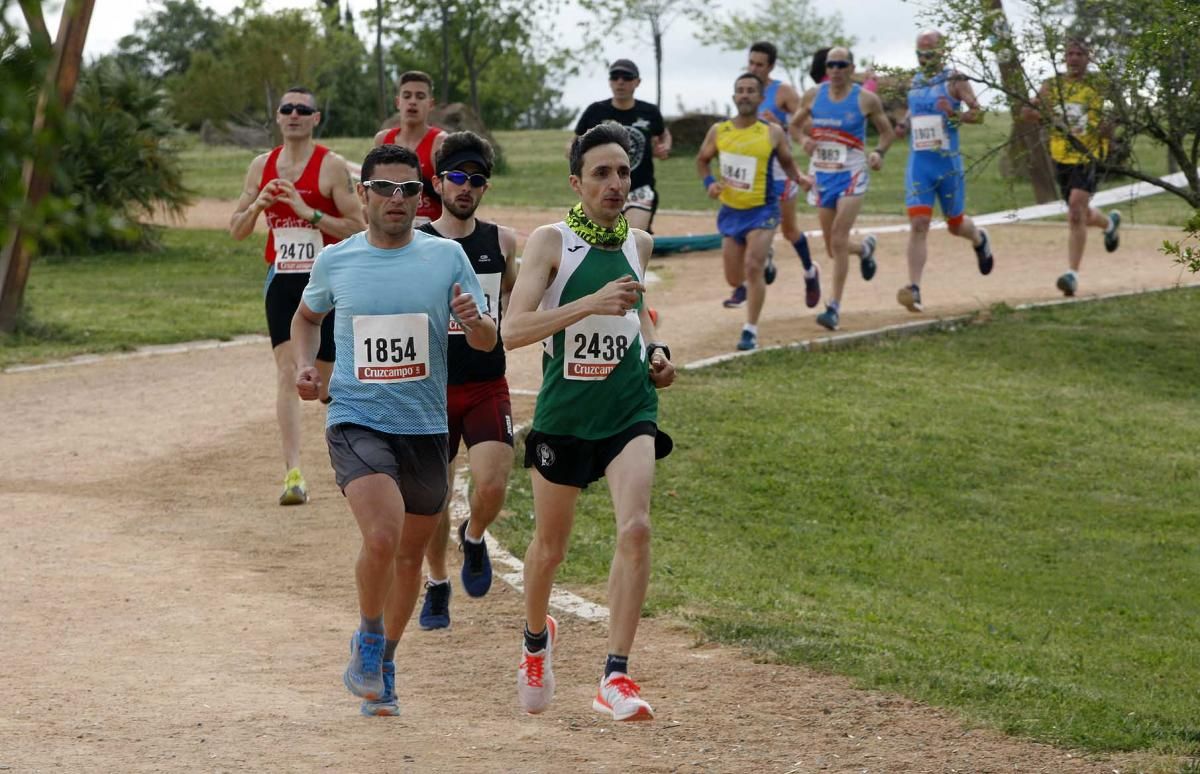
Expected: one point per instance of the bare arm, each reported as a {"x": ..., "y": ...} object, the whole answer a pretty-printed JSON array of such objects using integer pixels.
[
  {"x": 662, "y": 372},
  {"x": 662, "y": 144},
  {"x": 336, "y": 176},
  {"x": 526, "y": 324},
  {"x": 961, "y": 90},
  {"x": 783, "y": 152},
  {"x": 798, "y": 126},
  {"x": 874, "y": 110},
  {"x": 708, "y": 151},
  {"x": 380, "y": 136},
  {"x": 252, "y": 201},
  {"x": 479, "y": 329},
  {"x": 306, "y": 340}
]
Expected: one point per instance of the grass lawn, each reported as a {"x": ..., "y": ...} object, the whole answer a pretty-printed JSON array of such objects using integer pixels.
[
  {"x": 201, "y": 285},
  {"x": 537, "y": 175},
  {"x": 1002, "y": 520}
]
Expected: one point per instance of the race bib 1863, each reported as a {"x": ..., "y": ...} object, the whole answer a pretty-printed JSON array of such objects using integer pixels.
[
  {"x": 829, "y": 156},
  {"x": 597, "y": 344},
  {"x": 391, "y": 347},
  {"x": 296, "y": 249}
]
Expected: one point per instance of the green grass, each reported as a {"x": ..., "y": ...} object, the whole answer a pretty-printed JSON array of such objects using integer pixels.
[
  {"x": 201, "y": 285},
  {"x": 1002, "y": 520},
  {"x": 537, "y": 175}
]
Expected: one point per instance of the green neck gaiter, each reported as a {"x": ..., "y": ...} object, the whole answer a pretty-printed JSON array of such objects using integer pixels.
[{"x": 595, "y": 234}]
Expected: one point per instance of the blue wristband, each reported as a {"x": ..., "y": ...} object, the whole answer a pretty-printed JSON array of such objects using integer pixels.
[{"x": 709, "y": 181}]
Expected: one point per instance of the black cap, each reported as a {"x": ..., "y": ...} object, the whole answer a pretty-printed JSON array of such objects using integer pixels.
[
  {"x": 464, "y": 156},
  {"x": 624, "y": 66}
]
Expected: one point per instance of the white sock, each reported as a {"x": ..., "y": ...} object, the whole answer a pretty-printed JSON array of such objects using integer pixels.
[
  {"x": 1071, "y": 274},
  {"x": 471, "y": 540},
  {"x": 752, "y": 328},
  {"x": 438, "y": 582},
  {"x": 811, "y": 271}
]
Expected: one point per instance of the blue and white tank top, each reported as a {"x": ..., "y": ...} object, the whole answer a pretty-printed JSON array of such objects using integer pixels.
[
  {"x": 929, "y": 130},
  {"x": 840, "y": 130}
]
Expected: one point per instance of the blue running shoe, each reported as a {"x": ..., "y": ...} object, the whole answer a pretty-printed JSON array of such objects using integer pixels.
[
  {"x": 1112, "y": 235},
  {"x": 867, "y": 263},
  {"x": 748, "y": 341},
  {"x": 770, "y": 272},
  {"x": 736, "y": 299},
  {"x": 1067, "y": 284},
  {"x": 386, "y": 705},
  {"x": 364, "y": 676},
  {"x": 828, "y": 318},
  {"x": 435, "y": 612},
  {"x": 477, "y": 567}
]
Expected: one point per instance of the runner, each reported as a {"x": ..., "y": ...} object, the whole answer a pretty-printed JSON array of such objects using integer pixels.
[
  {"x": 747, "y": 148},
  {"x": 646, "y": 131},
  {"x": 935, "y": 169},
  {"x": 780, "y": 101},
  {"x": 394, "y": 291},
  {"x": 580, "y": 293},
  {"x": 1071, "y": 104},
  {"x": 414, "y": 100},
  {"x": 832, "y": 125},
  {"x": 477, "y": 397},
  {"x": 304, "y": 189}
]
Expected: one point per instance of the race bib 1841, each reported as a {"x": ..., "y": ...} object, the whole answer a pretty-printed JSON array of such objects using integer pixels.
[
  {"x": 391, "y": 347},
  {"x": 829, "y": 156},
  {"x": 296, "y": 249},
  {"x": 928, "y": 133},
  {"x": 597, "y": 344},
  {"x": 491, "y": 294},
  {"x": 738, "y": 171}
]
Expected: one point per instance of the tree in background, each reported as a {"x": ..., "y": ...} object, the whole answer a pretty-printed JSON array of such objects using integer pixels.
[
  {"x": 166, "y": 36},
  {"x": 795, "y": 27},
  {"x": 652, "y": 16}
]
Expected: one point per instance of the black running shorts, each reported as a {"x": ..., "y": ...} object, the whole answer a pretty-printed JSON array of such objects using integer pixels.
[
  {"x": 1071, "y": 176},
  {"x": 571, "y": 461},
  {"x": 283, "y": 298},
  {"x": 417, "y": 463}
]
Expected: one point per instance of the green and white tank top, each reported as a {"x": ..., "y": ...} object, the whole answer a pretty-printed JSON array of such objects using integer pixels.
[{"x": 595, "y": 378}]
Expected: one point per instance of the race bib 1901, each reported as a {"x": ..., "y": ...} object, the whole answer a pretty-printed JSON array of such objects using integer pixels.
[
  {"x": 597, "y": 344},
  {"x": 491, "y": 294},
  {"x": 829, "y": 156},
  {"x": 928, "y": 133},
  {"x": 296, "y": 249},
  {"x": 1077, "y": 118},
  {"x": 738, "y": 171},
  {"x": 391, "y": 347}
]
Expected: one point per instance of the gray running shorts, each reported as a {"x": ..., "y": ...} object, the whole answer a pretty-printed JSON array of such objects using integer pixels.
[{"x": 417, "y": 463}]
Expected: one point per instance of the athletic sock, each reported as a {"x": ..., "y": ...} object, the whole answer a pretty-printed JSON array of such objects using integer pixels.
[
  {"x": 752, "y": 328},
  {"x": 801, "y": 248},
  {"x": 916, "y": 288},
  {"x": 536, "y": 642},
  {"x": 834, "y": 305},
  {"x": 1071, "y": 273},
  {"x": 437, "y": 582},
  {"x": 810, "y": 272},
  {"x": 371, "y": 625},
  {"x": 469, "y": 539},
  {"x": 616, "y": 663},
  {"x": 389, "y": 650}
]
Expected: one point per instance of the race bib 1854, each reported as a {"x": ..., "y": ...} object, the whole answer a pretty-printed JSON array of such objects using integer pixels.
[{"x": 391, "y": 347}]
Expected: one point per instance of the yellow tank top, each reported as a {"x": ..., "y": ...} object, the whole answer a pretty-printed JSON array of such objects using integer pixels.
[
  {"x": 1078, "y": 105},
  {"x": 745, "y": 157}
]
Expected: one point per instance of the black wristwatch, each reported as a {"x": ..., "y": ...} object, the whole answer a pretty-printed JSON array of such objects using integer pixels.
[{"x": 653, "y": 346}]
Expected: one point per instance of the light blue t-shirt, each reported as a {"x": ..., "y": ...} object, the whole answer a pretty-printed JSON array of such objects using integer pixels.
[{"x": 390, "y": 370}]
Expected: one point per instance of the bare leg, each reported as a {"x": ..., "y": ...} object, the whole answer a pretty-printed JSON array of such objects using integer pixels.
[
  {"x": 490, "y": 463},
  {"x": 287, "y": 405},
  {"x": 758, "y": 242},
  {"x": 732, "y": 253},
  {"x": 630, "y": 478},
  {"x": 406, "y": 585},
  {"x": 378, "y": 507},
  {"x": 554, "y": 515},
  {"x": 439, "y": 539},
  {"x": 917, "y": 248},
  {"x": 1079, "y": 213},
  {"x": 638, "y": 218},
  {"x": 847, "y": 211}
]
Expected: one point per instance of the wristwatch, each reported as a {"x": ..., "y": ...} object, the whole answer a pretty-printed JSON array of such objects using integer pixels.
[
  {"x": 654, "y": 346},
  {"x": 316, "y": 217}
]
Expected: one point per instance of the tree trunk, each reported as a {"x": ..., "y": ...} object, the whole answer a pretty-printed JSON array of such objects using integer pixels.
[
  {"x": 1026, "y": 149},
  {"x": 444, "y": 96},
  {"x": 658, "y": 53},
  {"x": 381, "y": 97},
  {"x": 60, "y": 87}
]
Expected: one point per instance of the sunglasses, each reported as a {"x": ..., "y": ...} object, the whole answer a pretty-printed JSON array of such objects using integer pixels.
[
  {"x": 836, "y": 64},
  {"x": 462, "y": 178},
  {"x": 304, "y": 110},
  {"x": 622, "y": 77},
  {"x": 388, "y": 189},
  {"x": 926, "y": 54}
]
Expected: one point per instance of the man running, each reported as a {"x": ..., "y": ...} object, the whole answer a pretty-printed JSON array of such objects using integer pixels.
[
  {"x": 747, "y": 148},
  {"x": 394, "y": 291},
  {"x": 477, "y": 396},
  {"x": 1072, "y": 106},
  {"x": 308, "y": 197},
  {"x": 832, "y": 125},
  {"x": 414, "y": 100},
  {"x": 935, "y": 169},
  {"x": 580, "y": 292},
  {"x": 780, "y": 101},
  {"x": 649, "y": 138}
]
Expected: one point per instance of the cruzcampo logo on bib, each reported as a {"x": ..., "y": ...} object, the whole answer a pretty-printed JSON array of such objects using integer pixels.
[
  {"x": 928, "y": 132},
  {"x": 597, "y": 344},
  {"x": 296, "y": 249},
  {"x": 391, "y": 348}
]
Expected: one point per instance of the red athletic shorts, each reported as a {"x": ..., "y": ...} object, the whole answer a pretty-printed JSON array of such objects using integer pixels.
[{"x": 478, "y": 411}]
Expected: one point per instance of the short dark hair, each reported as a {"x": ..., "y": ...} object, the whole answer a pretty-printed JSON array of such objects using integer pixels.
[
  {"x": 388, "y": 154},
  {"x": 465, "y": 141},
  {"x": 417, "y": 76},
  {"x": 749, "y": 76},
  {"x": 816, "y": 70},
  {"x": 601, "y": 134},
  {"x": 300, "y": 90},
  {"x": 763, "y": 47},
  {"x": 1076, "y": 41}
]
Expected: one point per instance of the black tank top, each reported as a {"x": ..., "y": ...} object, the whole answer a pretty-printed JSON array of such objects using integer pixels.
[{"x": 463, "y": 362}]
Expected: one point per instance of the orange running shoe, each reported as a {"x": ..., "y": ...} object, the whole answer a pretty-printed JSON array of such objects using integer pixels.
[{"x": 619, "y": 698}]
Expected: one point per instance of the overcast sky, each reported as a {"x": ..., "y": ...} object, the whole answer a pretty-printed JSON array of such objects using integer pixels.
[{"x": 694, "y": 75}]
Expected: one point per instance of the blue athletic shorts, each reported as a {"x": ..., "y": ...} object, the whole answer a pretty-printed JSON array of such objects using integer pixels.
[
  {"x": 937, "y": 176},
  {"x": 736, "y": 224},
  {"x": 831, "y": 186}
]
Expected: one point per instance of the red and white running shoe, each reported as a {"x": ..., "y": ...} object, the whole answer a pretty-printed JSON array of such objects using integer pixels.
[
  {"x": 619, "y": 698},
  {"x": 535, "y": 676}
]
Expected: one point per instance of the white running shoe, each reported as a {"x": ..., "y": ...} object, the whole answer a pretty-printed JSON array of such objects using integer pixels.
[
  {"x": 535, "y": 676},
  {"x": 619, "y": 698}
]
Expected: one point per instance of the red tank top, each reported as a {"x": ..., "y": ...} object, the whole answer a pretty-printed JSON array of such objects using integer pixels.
[
  {"x": 280, "y": 214},
  {"x": 430, "y": 206}
]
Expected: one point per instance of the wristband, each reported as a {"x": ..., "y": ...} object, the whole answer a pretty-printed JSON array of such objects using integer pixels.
[
  {"x": 707, "y": 182},
  {"x": 653, "y": 347},
  {"x": 316, "y": 217}
]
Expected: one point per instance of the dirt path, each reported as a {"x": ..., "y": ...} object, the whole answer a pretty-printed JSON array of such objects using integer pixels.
[{"x": 159, "y": 612}]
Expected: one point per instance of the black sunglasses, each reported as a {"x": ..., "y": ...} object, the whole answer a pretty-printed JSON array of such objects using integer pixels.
[
  {"x": 388, "y": 189},
  {"x": 621, "y": 77},
  {"x": 925, "y": 54},
  {"x": 304, "y": 110},
  {"x": 462, "y": 178},
  {"x": 836, "y": 64}
]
